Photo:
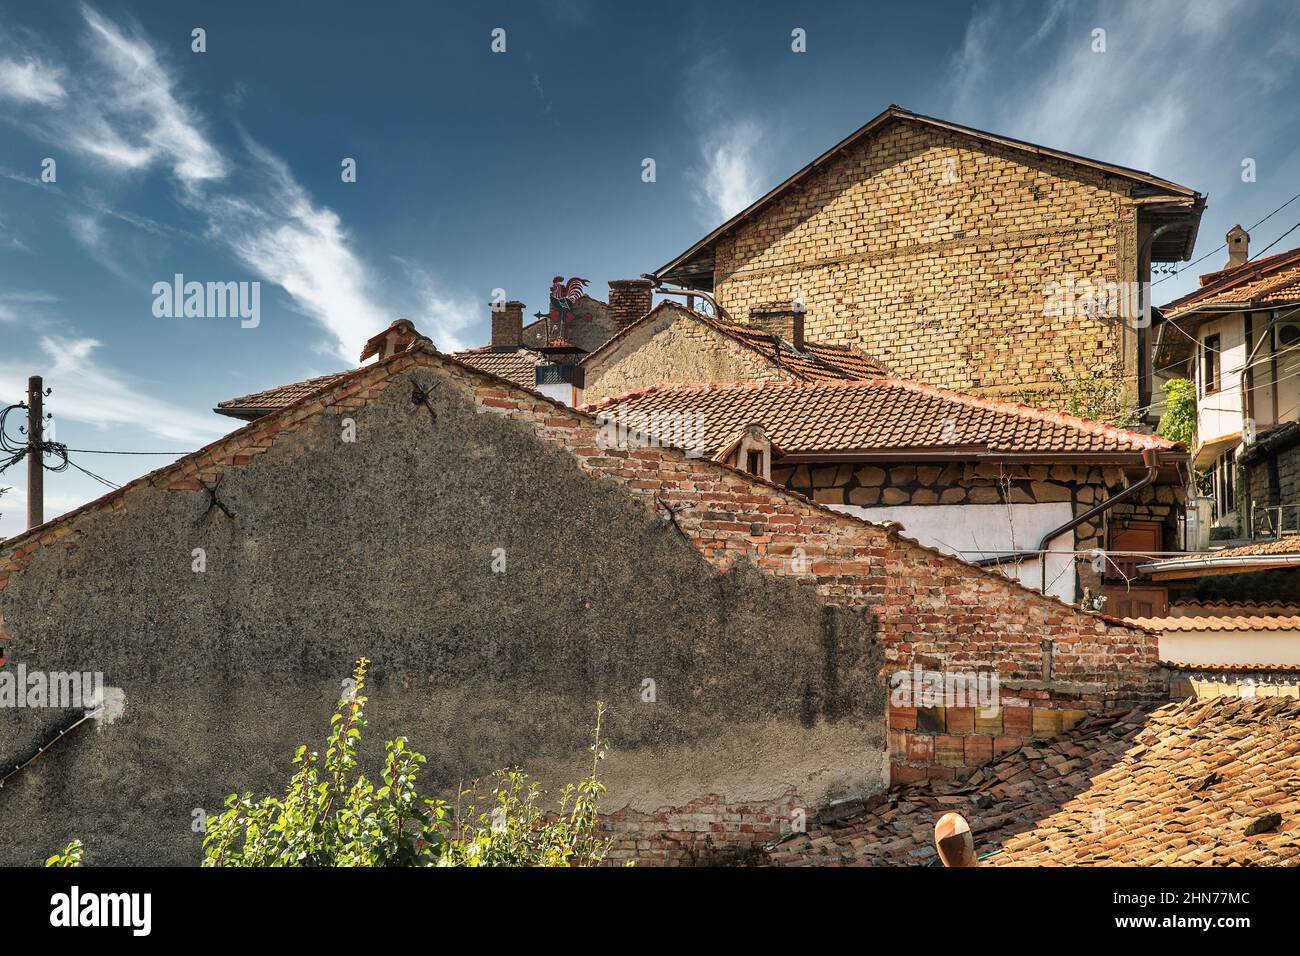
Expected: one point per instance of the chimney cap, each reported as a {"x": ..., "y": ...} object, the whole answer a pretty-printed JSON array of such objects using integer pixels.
[
  {"x": 1238, "y": 242},
  {"x": 398, "y": 335},
  {"x": 953, "y": 840}
]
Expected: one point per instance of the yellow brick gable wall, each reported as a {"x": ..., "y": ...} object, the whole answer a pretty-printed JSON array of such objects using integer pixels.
[
  {"x": 674, "y": 347},
  {"x": 932, "y": 250}
]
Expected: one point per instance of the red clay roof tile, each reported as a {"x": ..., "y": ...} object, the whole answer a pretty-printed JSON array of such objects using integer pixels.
[{"x": 881, "y": 414}]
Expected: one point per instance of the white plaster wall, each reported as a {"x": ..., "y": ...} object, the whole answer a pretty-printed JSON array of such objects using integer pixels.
[
  {"x": 1219, "y": 413},
  {"x": 978, "y": 531},
  {"x": 1231, "y": 647}
]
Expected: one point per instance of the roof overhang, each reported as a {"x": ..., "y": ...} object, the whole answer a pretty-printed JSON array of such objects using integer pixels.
[
  {"x": 245, "y": 413},
  {"x": 1160, "y": 201},
  {"x": 1208, "y": 565},
  {"x": 1210, "y": 450}
]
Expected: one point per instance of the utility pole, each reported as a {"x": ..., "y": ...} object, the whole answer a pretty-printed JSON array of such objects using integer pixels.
[{"x": 35, "y": 454}]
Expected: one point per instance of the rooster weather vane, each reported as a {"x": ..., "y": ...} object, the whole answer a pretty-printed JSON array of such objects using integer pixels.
[{"x": 565, "y": 297}]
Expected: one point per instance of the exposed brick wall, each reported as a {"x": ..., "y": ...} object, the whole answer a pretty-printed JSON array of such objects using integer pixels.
[
  {"x": 1055, "y": 662},
  {"x": 932, "y": 250},
  {"x": 629, "y": 300},
  {"x": 928, "y": 609},
  {"x": 706, "y": 832}
]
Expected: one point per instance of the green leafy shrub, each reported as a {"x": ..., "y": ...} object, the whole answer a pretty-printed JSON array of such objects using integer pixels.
[
  {"x": 69, "y": 857},
  {"x": 332, "y": 815},
  {"x": 1178, "y": 423}
]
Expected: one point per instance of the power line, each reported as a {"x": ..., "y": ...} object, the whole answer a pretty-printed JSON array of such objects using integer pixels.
[
  {"x": 100, "y": 451},
  {"x": 99, "y": 478},
  {"x": 1225, "y": 245},
  {"x": 1274, "y": 242}
]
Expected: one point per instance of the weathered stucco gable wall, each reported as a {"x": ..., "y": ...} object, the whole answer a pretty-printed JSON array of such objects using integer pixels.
[
  {"x": 765, "y": 621},
  {"x": 673, "y": 347},
  {"x": 384, "y": 548},
  {"x": 932, "y": 250}
]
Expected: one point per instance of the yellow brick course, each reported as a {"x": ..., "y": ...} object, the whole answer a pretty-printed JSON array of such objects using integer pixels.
[{"x": 933, "y": 250}]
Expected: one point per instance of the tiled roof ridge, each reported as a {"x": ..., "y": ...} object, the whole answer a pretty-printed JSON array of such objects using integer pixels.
[
  {"x": 1231, "y": 277},
  {"x": 1233, "y": 668},
  {"x": 1040, "y": 414},
  {"x": 738, "y": 333},
  {"x": 971, "y": 401},
  {"x": 31, "y": 537},
  {"x": 1232, "y": 605},
  {"x": 327, "y": 377},
  {"x": 1221, "y": 622}
]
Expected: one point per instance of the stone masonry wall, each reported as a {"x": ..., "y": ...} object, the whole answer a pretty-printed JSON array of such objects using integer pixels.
[
  {"x": 986, "y": 483},
  {"x": 932, "y": 250},
  {"x": 673, "y": 347}
]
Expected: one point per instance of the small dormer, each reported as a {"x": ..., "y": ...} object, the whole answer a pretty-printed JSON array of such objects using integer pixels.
[
  {"x": 392, "y": 340},
  {"x": 750, "y": 451}
]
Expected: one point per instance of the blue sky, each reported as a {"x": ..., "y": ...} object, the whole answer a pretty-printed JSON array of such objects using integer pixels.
[{"x": 479, "y": 170}]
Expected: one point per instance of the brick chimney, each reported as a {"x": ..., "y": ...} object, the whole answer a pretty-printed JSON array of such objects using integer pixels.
[
  {"x": 1238, "y": 246},
  {"x": 783, "y": 320},
  {"x": 629, "y": 300},
  {"x": 507, "y": 326}
]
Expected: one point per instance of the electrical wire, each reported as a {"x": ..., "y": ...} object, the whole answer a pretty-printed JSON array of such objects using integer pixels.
[{"x": 1225, "y": 245}]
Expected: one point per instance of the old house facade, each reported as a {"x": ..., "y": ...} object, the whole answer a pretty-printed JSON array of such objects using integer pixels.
[
  {"x": 673, "y": 343},
  {"x": 767, "y": 623},
  {"x": 1237, "y": 338},
  {"x": 945, "y": 252},
  {"x": 1044, "y": 496}
]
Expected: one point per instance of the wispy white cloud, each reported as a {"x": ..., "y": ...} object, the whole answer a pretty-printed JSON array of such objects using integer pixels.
[
  {"x": 733, "y": 143},
  {"x": 138, "y": 118},
  {"x": 303, "y": 247},
  {"x": 1171, "y": 79},
  {"x": 95, "y": 393},
  {"x": 31, "y": 81},
  {"x": 438, "y": 313},
  {"x": 130, "y": 115},
  {"x": 15, "y": 306},
  {"x": 728, "y": 177}
]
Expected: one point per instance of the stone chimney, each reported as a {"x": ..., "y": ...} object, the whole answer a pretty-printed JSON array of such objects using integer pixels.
[
  {"x": 629, "y": 300},
  {"x": 784, "y": 320},
  {"x": 507, "y": 325},
  {"x": 1238, "y": 247}
]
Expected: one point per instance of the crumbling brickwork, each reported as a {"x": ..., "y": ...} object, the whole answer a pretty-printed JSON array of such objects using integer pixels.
[
  {"x": 774, "y": 619},
  {"x": 933, "y": 250}
]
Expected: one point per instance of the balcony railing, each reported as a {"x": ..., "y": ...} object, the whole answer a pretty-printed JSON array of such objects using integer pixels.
[{"x": 1273, "y": 521}]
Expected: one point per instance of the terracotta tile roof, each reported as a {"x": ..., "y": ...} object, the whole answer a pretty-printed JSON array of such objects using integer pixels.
[
  {"x": 882, "y": 414},
  {"x": 817, "y": 362},
  {"x": 1179, "y": 784},
  {"x": 1218, "y": 622},
  {"x": 281, "y": 396},
  {"x": 518, "y": 366},
  {"x": 1230, "y": 608},
  {"x": 1243, "y": 669},
  {"x": 1199, "y": 775},
  {"x": 1269, "y": 281},
  {"x": 1290, "y": 544}
]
